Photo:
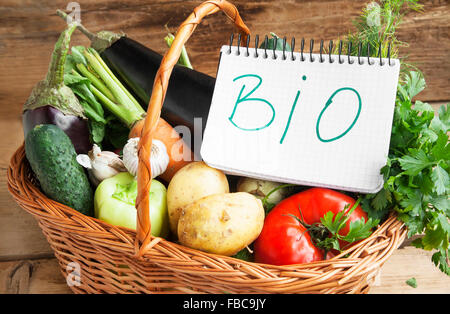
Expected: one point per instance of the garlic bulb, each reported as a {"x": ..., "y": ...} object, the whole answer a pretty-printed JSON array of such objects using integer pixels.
[
  {"x": 159, "y": 159},
  {"x": 100, "y": 164}
]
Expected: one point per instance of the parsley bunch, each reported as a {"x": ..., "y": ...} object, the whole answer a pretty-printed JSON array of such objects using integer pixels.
[{"x": 416, "y": 174}]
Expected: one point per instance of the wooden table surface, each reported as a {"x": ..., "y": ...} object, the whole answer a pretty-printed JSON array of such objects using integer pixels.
[{"x": 28, "y": 30}]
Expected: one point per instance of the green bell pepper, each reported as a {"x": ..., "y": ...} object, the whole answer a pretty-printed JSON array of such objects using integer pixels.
[{"x": 115, "y": 199}]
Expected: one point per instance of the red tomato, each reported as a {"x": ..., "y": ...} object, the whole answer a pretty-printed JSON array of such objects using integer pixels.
[{"x": 284, "y": 240}]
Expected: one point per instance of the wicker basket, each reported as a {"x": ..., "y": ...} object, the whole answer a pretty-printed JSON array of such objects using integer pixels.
[{"x": 118, "y": 260}]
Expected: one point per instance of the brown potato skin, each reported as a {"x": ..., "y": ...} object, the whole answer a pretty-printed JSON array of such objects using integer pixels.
[
  {"x": 221, "y": 223},
  {"x": 190, "y": 183}
]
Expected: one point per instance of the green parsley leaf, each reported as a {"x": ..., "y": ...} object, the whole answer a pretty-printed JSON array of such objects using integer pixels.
[
  {"x": 382, "y": 199},
  {"x": 440, "y": 259},
  {"x": 415, "y": 162},
  {"x": 414, "y": 83},
  {"x": 334, "y": 223},
  {"x": 412, "y": 201},
  {"x": 422, "y": 106},
  {"x": 441, "y": 180},
  {"x": 412, "y": 282},
  {"x": 360, "y": 229},
  {"x": 244, "y": 255},
  {"x": 416, "y": 175}
]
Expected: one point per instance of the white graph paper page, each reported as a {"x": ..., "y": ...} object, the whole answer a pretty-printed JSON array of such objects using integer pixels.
[{"x": 302, "y": 122}]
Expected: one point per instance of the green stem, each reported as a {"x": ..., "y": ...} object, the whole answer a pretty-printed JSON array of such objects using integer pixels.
[
  {"x": 120, "y": 96},
  {"x": 116, "y": 80},
  {"x": 264, "y": 201},
  {"x": 100, "y": 41},
  {"x": 55, "y": 74},
  {"x": 184, "y": 58},
  {"x": 80, "y": 27},
  {"x": 95, "y": 104},
  {"x": 347, "y": 214},
  {"x": 127, "y": 117},
  {"x": 95, "y": 81}
]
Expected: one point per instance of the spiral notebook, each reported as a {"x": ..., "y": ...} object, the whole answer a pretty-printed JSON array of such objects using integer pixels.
[{"x": 297, "y": 117}]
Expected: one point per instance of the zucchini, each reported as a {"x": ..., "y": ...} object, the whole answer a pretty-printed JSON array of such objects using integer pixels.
[{"x": 52, "y": 158}]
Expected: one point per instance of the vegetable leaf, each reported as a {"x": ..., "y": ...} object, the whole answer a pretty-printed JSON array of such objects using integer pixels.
[
  {"x": 440, "y": 259},
  {"x": 382, "y": 199},
  {"x": 412, "y": 282},
  {"x": 70, "y": 79},
  {"x": 334, "y": 223},
  {"x": 441, "y": 180},
  {"x": 244, "y": 255},
  {"x": 271, "y": 43},
  {"x": 415, "y": 162},
  {"x": 81, "y": 87},
  {"x": 422, "y": 107},
  {"x": 414, "y": 84},
  {"x": 416, "y": 175},
  {"x": 97, "y": 131},
  {"x": 77, "y": 54},
  {"x": 116, "y": 133},
  {"x": 360, "y": 229}
]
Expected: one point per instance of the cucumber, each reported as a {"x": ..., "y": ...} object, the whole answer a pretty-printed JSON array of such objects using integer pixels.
[{"x": 52, "y": 158}]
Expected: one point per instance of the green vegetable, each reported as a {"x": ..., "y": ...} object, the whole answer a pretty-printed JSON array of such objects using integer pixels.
[
  {"x": 376, "y": 27},
  {"x": 115, "y": 198},
  {"x": 287, "y": 189},
  {"x": 52, "y": 91},
  {"x": 416, "y": 175},
  {"x": 81, "y": 87},
  {"x": 96, "y": 88},
  {"x": 245, "y": 254},
  {"x": 359, "y": 229},
  {"x": 270, "y": 193},
  {"x": 326, "y": 234},
  {"x": 52, "y": 158},
  {"x": 184, "y": 58},
  {"x": 271, "y": 41},
  {"x": 412, "y": 282}
]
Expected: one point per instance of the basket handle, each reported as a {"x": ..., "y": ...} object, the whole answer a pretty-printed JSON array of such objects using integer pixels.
[{"x": 143, "y": 236}]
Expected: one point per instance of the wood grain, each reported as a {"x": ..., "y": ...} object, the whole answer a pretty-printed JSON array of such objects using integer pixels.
[
  {"x": 409, "y": 262},
  {"x": 19, "y": 231},
  {"x": 41, "y": 276},
  {"x": 28, "y": 30}
]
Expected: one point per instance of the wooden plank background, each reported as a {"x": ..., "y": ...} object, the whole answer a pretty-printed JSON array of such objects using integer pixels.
[{"x": 29, "y": 29}]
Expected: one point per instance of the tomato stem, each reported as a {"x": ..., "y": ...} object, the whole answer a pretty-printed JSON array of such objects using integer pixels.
[{"x": 317, "y": 230}]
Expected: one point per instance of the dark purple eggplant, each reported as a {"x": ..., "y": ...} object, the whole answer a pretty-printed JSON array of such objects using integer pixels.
[
  {"x": 75, "y": 127},
  {"x": 189, "y": 94},
  {"x": 51, "y": 102}
]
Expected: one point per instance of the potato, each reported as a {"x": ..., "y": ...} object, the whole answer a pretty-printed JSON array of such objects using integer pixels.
[
  {"x": 221, "y": 223},
  {"x": 190, "y": 183}
]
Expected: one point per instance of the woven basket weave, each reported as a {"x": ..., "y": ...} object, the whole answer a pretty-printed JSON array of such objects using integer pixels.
[{"x": 119, "y": 260}]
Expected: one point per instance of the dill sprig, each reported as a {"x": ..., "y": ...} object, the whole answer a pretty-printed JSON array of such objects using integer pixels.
[{"x": 377, "y": 26}]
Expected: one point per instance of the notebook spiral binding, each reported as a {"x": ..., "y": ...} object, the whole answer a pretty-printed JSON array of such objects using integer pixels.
[{"x": 322, "y": 59}]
